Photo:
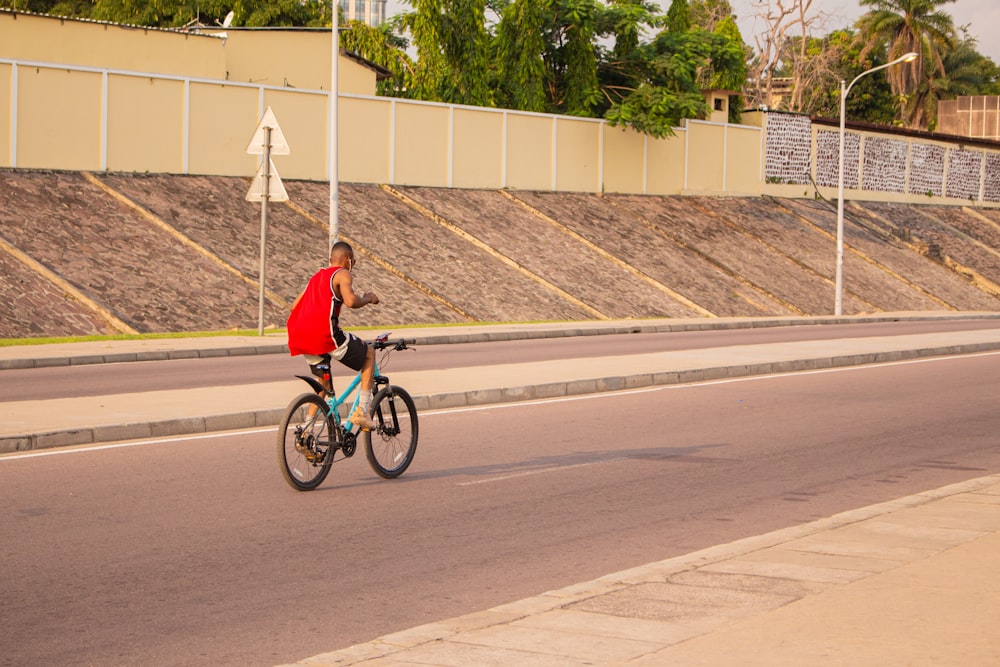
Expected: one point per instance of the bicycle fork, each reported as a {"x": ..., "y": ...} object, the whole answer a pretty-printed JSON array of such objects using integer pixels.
[{"x": 390, "y": 427}]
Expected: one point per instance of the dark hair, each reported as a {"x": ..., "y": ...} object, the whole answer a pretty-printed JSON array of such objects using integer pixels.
[{"x": 344, "y": 246}]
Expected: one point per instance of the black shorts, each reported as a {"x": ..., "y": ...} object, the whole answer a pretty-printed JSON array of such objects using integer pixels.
[
  {"x": 352, "y": 354},
  {"x": 357, "y": 350}
]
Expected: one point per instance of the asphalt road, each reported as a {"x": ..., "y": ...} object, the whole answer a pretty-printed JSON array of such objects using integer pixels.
[
  {"x": 100, "y": 379},
  {"x": 195, "y": 552}
]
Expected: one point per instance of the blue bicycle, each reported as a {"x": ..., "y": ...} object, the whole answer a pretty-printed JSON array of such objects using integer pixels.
[{"x": 313, "y": 429}]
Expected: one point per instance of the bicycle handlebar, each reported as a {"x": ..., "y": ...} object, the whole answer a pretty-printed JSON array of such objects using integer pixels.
[{"x": 383, "y": 342}]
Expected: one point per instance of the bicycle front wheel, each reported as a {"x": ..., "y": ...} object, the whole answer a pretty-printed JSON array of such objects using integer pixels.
[
  {"x": 393, "y": 442},
  {"x": 306, "y": 443}
]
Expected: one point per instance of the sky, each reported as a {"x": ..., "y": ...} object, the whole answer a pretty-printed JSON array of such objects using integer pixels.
[
  {"x": 979, "y": 15},
  {"x": 982, "y": 17}
]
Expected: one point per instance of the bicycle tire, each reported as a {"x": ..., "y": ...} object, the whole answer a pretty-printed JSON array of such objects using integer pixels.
[
  {"x": 391, "y": 445},
  {"x": 305, "y": 456}
]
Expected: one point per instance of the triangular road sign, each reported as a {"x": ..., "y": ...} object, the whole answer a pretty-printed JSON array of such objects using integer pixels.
[
  {"x": 278, "y": 144},
  {"x": 275, "y": 191}
]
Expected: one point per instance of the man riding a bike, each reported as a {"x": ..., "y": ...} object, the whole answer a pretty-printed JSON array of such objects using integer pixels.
[{"x": 314, "y": 327}]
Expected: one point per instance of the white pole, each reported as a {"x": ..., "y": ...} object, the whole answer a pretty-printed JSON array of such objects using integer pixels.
[
  {"x": 838, "y": 307},
  {"x": 333, "y": 166},
  {"x": 263, "y": 227}
]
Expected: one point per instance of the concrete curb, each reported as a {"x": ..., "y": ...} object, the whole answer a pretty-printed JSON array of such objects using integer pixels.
[
  {"x": 150, "y": 355},
  {"x": 486, "y": 335},
  {"x": 272, "y": 417}
]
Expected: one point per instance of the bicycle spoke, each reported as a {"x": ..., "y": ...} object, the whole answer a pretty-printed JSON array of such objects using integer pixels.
[
  {"x": 305, "y": 450},
  {"x": 392, "y": 444}
]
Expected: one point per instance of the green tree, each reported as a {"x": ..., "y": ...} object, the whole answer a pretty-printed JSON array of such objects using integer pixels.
[
  {"x": 870, "y": 100},
  {"x": 273, "y": 13},
  {"x": 452, "y": 48},
  {"x": 678, "y": 17},
  {"x": 902, "y": 26},
  {"x": 73, "y": 8},
  {"x": 670, "y": 89},
  {"x": 159, "y": 13},
  {"x": 966, "y": 72},
  {"x": 567, "y": 30},
  {"x": 717, "y": 16},
  {"x": 619, "y": 68},
  {"x": 384, "y": 47},
  {"x": 625, "y": 21},
  {"x": 519, "y": 49},
  {"x": 424, "y": 24},
  {"x": 728, "y": 69},
  {"x": 706, "y": 14},
  {"x": 572, "y": 58},
  {"x": 178, "y": 13}
]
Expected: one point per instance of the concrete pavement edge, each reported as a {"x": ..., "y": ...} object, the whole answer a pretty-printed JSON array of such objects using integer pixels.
[
  {"x": 194, "y": 424},
  {"x": 56, "y": 354}
]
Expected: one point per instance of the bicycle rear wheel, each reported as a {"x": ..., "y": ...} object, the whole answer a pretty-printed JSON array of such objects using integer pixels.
[
  {"x": 306, "y": 443},
  {"x": 390, "y": 446}
]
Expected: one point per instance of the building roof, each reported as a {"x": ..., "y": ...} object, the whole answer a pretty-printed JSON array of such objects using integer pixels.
[
  {"x": 209, "y": 31},
  {"x": 17, "y": 12}
]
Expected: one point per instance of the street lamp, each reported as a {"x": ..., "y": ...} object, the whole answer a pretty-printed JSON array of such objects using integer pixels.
[
  {"x": 839, "y": 305},
  {"x": 333, "y": 124}
]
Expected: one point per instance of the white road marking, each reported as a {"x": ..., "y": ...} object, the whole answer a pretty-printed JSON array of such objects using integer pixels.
[
  {"x": 539, "y": 471},
  {"x": 77, "y": 449}
]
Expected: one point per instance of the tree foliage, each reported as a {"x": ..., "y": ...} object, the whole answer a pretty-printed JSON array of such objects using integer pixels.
[
  {"x": 670, "y": 89},
  {"x": 179, "y": 13},
  {"x": 73, "y": 8},
  {"x": 384, "y": 47},
  {"x": 706, "y": 14},
  {"x": 814, "y": 63},
  {"x": 572, "y": 57},
  {"x": 870, "y": 100},
  {"x": 678, "y": 17},
  {"x": 624, "y": 23},
  {"x": 546, "y": 56},
  {"x": 519, "y": 50},
  {"x": 452, "y": 46},
  {"x": 964, "y": 72},
  {"x": 897, "y": 27}
]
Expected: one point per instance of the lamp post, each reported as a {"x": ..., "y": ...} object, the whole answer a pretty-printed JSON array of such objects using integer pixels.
[
  {"x": 839, "y": 304},
  {"x": 332, "y": 122}
]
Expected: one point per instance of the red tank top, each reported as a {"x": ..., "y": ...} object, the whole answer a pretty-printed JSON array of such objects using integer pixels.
[{"x": 314, "y": 325}]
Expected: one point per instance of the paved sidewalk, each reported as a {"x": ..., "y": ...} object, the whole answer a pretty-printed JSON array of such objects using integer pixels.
[
  {"x": 34, "y": 424},
  {"x": 915, "y": 581}
]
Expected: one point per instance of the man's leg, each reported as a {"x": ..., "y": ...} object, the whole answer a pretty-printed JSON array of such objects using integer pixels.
[
  {"x": 366, "y": 355},
  {"x": 321, "y": 371},
  {"x": 319, "y": 366},
  {"x": 368, "y": 373}
]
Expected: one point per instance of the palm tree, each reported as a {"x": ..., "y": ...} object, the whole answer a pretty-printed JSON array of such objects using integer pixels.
[
  {"x": 902, "y": 26},
  {"x": 968, "y": 72}
]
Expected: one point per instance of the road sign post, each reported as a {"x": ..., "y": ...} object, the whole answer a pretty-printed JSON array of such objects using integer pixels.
[{"x": 267, "y": 186}]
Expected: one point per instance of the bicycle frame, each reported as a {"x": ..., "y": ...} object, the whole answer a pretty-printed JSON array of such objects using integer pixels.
[{"x": 335, "y": 400}]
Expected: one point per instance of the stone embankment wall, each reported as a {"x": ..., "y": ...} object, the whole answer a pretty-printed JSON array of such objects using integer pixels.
[{"x": 83, "y": 254}]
